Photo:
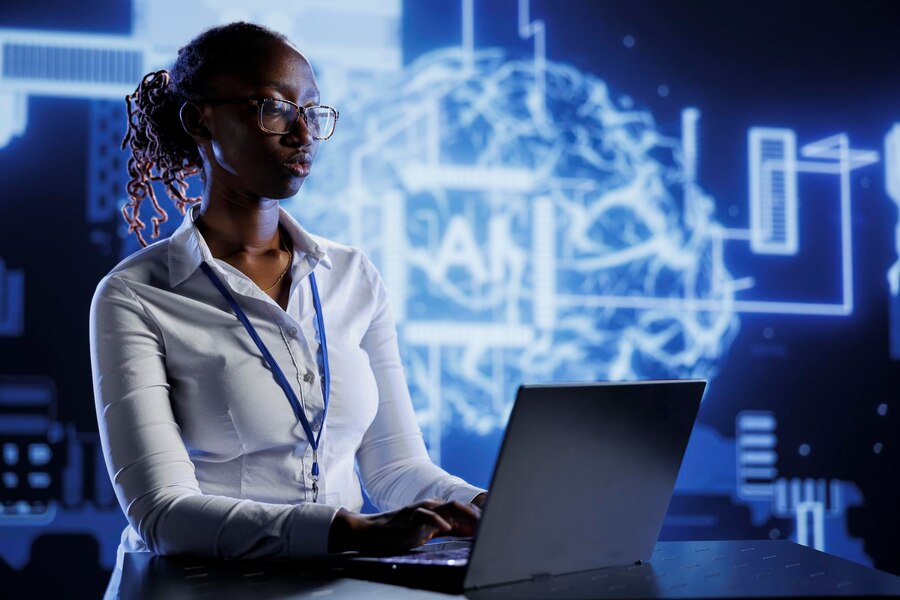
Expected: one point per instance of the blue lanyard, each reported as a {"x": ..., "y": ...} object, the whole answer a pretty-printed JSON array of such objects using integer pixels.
[{"x": 279, "y": 375}]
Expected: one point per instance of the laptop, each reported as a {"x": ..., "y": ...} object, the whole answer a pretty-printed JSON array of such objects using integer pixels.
[{"x": 583, "y": 481}]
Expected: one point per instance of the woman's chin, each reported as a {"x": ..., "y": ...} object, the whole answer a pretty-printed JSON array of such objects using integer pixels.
[{"x": 288, "y": 189}]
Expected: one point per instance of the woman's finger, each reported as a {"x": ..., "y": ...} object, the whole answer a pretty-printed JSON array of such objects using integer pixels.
[
  {"x": 462, "y": 516},
  {"x": 423, "y": 526},
  {"x": 430, "y": 503},
  {"x": 423, "y": 516},
  {"x": 469, "y": 510}
]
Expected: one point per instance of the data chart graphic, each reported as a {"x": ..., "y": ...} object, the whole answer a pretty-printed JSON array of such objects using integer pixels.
[{"x": 532, "y": 222}]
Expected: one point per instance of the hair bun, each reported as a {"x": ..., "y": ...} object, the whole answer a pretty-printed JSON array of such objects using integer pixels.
[{"x": 161, "y": 150}]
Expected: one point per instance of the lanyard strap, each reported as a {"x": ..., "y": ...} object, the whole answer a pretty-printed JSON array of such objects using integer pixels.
[{"x": 279, "y": 374}]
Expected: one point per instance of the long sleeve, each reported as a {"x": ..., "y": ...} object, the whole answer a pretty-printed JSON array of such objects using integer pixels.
[
  {"x": 151, "y": 471},
  {"x": 393, "y": 463}
]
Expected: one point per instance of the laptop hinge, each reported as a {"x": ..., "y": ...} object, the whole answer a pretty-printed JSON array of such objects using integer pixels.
[{"x": 539, "y": 576}]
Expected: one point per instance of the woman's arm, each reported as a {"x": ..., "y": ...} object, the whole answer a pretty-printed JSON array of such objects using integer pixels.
[
  {"x": 393, "y": 463},
  {"x": 149, "y": 465}
]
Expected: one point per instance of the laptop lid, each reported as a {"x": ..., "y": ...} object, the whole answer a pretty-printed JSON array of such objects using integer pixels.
[{"x": 583, "y": 479}]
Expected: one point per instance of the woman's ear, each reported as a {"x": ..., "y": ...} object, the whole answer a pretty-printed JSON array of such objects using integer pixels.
[{"x": 193, "y": 122}]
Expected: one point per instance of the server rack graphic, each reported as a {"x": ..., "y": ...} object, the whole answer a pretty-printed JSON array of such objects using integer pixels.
[{"x": 33, "y": 450}]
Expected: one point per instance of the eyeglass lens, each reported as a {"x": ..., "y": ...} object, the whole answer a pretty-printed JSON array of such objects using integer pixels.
[{"x": 278, "y": 117}]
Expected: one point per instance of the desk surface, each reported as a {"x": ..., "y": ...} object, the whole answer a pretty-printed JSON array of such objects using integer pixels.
[{"x": 677, "y": 570}]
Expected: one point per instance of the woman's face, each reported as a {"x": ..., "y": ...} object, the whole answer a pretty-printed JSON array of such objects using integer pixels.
[{"x": 243, "y": 159}]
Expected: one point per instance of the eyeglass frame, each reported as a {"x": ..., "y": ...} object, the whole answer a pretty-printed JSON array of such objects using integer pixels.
[{"x": 301, "y": 111}]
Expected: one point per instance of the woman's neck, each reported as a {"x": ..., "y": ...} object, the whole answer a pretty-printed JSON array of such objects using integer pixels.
[{"x": 238, "y": 226}]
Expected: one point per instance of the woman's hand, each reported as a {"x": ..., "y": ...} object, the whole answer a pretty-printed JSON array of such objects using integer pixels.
[
  {"x": 400, "y": 530},
  {"x": 480, "y": 499}
]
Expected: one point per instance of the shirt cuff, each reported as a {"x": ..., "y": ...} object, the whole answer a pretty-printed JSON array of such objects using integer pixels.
[
  {"x": 308, "y": 530},
  {"x": 464, "y": 493}
]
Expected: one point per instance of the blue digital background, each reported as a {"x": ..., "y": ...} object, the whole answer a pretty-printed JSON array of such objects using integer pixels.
[{"x": 552, "y": 191}]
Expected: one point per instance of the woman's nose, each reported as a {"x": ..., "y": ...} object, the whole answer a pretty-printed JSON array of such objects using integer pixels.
[{"x": 301, "y": 130}]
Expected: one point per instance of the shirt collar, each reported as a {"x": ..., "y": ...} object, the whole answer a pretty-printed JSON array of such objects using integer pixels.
[{"x": 187, "y": 248}]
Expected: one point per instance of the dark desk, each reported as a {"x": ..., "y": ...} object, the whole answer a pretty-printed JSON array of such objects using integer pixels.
[
  {"x": 146, "y": 576},
  {"x": 677, "y": 570}
]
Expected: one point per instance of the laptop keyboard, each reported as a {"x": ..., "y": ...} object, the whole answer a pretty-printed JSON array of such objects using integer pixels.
[{"x": 456, "y": 556}]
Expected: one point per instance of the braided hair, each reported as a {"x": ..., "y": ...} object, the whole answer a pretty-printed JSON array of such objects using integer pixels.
[{"x": 158, "y": 141}]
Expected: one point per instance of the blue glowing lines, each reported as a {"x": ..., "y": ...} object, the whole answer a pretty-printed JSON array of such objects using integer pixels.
[
  {"x": 31, "y": 436},
  {"x": 774, "y": 206},
  {"x": 101, "y": 66},
  {"x": 12, "y": 301},
  {"x": 773, "y": 191},
  {"x": 810, "y": 502},
  {"x": 71, "y": 65},
  {"x": 811, "y": 525},
  {"x": 468, "y": 32},
  {"x": 13, "y": 115},
  {"x": 44, "y": 478},
  {"x": 496, "y": 234},
  {"x": 53, "y": 63},
  {"x": 816, "y": 506},
  {"x": 774, "y": 226},
  {"x": 529, "y": 28},
  {"x": 756, "y": 454},
  {"x": 892, "y": 186}
]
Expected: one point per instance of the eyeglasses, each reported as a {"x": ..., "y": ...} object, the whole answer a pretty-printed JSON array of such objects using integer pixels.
[{"x": 280, "y": 116}]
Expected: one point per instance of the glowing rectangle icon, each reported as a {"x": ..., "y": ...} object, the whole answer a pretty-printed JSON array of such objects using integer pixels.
[
  {"x": 757, "y": 456},
  {"x": 892, "y": 186},
  {"x": 773, "y": 191},
  {"x": 50, "y": 63},
  {"x": 12, "y": 301}
]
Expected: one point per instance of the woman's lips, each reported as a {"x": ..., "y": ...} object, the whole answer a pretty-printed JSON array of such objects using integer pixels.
[
  {"x": 299, "y": 165},
  {"x": 297, "y": 169}
]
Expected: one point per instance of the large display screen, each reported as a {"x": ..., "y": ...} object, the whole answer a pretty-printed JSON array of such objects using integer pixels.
[{"x": 552, "y": 191}]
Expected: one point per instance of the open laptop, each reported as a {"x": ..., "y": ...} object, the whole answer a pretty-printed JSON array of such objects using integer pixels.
[{"x": 582, "y": 481}]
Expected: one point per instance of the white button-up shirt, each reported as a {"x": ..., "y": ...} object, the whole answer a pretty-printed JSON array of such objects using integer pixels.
[{"x": 204, "y": 451}]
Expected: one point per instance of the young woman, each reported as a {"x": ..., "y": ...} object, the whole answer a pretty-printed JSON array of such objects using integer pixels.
[{"x": 244, "y": 370}]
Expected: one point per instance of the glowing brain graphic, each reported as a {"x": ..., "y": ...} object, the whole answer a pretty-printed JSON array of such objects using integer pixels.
[{"x": 523, "y": 235}]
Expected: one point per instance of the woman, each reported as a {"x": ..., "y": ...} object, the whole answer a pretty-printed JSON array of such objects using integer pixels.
[{"x": 243, "y": 368}]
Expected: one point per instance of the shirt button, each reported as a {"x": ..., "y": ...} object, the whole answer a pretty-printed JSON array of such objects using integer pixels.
[
  {"x": 292, "y": 331},
  {"x": 308, "y": 377}
]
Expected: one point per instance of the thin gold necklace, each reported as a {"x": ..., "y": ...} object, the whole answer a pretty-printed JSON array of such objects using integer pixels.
[{"x": 290, "y": 260}]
